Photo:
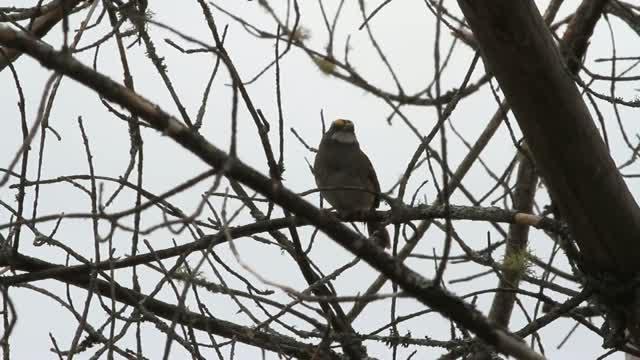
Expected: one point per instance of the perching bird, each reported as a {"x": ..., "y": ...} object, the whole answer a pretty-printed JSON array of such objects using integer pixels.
[{"x": 340, "y": 163}]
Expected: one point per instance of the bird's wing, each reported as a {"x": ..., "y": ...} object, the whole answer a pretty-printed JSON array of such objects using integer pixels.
[{"x": 372, "y": 179}]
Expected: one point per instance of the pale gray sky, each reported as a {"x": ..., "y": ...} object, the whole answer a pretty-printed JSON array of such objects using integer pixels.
[{"x": 404, "y": 29}]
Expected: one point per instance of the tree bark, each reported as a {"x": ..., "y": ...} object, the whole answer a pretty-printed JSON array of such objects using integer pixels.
[
  {"x": 516, "y": 247},
  {"x": 583, "y": 180}
]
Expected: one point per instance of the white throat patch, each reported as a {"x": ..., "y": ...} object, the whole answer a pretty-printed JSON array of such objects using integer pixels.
[{"x": 344, "y": 137}]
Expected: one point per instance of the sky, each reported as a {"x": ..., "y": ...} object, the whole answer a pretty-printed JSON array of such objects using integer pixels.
[{"x": 404, "y": 30}]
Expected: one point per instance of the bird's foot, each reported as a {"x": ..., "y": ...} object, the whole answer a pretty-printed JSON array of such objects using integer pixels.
[
  {"x": 353, "y": 215},
  {"x": 329, "y": 212}
]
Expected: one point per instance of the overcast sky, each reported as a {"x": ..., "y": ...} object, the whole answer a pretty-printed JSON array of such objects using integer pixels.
[{"x": 405, "y": 31}]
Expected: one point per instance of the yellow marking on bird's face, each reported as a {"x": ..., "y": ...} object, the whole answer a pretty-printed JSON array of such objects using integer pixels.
[{"x": 342, "y": 123}]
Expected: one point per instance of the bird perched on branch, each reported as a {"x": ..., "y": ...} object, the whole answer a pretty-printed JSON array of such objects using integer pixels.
[{"x": 341, "y": 164}]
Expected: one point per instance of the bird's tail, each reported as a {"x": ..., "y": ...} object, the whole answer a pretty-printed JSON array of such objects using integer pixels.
[{"x": 379, "y": 234}]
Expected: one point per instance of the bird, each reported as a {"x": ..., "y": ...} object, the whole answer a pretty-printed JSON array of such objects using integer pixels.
[{"x": 340, "y": 162}]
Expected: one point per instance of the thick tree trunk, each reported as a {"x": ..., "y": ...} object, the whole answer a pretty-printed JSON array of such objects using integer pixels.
[{"x": 582, "y": 178}]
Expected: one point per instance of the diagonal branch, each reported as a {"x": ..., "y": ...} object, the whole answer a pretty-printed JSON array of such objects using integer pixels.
[
  {"x": 52, "y": 14},
  {"x": 263, "y": 339},
  {"x": 424, "y": 212},
  {"x": 582, "y": 178},
  {"x": 410, "y": 281}
]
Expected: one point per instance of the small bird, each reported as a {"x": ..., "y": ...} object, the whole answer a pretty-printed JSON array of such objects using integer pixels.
[{"x": 341, "y": 163}]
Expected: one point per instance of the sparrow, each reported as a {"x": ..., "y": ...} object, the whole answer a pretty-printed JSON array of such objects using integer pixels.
[{"x": 341, "y": 163}]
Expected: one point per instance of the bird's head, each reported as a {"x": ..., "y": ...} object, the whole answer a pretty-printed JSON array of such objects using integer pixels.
[{"x": 342, "y": 131}]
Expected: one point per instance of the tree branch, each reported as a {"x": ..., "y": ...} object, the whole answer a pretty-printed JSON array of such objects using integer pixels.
[{"x": 410, "y": 281}]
